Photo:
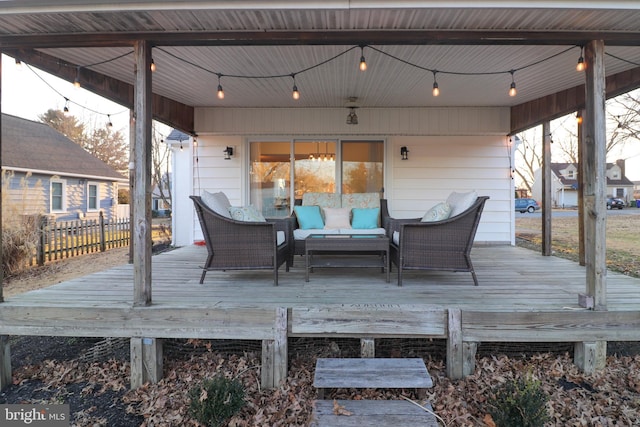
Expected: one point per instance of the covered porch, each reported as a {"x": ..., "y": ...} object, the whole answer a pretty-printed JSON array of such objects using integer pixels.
[{"x": 522, "y": 297}]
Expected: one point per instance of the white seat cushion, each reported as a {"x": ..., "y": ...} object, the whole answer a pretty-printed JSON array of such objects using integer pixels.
[
  {"x": 217, "y": 202},
  {"x": 280, "y": 237},
  {"x": 460, "y": 202}
]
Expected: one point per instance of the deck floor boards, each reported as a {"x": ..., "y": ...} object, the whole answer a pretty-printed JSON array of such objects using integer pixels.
[{"x": 521, "y": 294}]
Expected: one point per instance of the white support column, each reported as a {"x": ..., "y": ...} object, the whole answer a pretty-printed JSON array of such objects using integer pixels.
[{"x": 141, "y": 197}]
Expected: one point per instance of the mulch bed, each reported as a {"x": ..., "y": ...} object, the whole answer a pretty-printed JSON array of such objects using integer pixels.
[{"x": 57, "y": 370}]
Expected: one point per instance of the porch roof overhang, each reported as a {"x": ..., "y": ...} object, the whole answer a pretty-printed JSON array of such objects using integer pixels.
[{"x": 472, "y": 48}]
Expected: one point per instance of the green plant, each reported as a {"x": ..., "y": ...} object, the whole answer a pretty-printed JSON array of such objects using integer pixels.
[
  {"x": 519, "y": 403},
  {"x": 216, "y": 400}
]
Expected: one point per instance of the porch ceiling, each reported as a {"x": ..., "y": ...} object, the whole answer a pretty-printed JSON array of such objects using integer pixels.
[{"x": 473, "y": 49}]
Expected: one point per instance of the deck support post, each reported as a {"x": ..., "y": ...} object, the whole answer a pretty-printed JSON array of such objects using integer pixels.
[
  {"x": 274, "y": 353},
  {"x": 469, "y": 350},
  {"x": 5, "y": 362},
  {"x": 590, "y": 356},
  {"x": 455, "y": 360},
  {"x": 146, "y": 361},
  {"x": 367, "y": 348}
]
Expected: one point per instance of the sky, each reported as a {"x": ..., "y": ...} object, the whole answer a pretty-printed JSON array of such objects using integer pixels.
[{"x": 28, "y": 92}]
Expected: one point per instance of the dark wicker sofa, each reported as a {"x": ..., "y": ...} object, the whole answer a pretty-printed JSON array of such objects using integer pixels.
[
  {"x": 439, "y": 245},
  {"x": 240, "y": 245}
]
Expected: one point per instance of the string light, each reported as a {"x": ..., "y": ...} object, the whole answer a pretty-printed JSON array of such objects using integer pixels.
[
  {"x": 295, "y": 94},
  {"x": 153, "y": 66},
  {"x": 109, "y": 122},
  {"x": 76, "y": 82},
  {"x": 436, "y": 88},
  {"x": 363, "y": 63},
  {"x": 579, "y": 118},
  {"x": 581, "y": 64},
  {"x": 512, "y": 88},
  {"x": 18, "y": 63},
  {"x": 220, "y": 91}
]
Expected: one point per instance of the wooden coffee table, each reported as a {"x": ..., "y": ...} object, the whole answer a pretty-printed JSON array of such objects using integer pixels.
[{"x": 347, "y": 250}]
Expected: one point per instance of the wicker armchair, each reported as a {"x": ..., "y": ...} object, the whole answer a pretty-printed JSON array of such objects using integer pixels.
[
  {"x": 239, "y": 245},
  {"x": 440, "y": 245}
]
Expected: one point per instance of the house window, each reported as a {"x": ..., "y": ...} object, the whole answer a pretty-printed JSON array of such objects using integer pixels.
[
  {"x": 570, "y": 174},
  {"x": 312, "y": 166},
  {"x": 362, "y": 166},
  {"x": 58, "y": 195},
  {"x": 93, "y": 196}
]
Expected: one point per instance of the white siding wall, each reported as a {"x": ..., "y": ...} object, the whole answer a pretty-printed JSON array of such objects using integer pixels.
[
  {"x": 451, "y": 149},
  {"x": 439, "y": 165}
]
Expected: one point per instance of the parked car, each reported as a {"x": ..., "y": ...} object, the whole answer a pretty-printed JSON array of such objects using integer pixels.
[
  {"x": 526, "y": 205},
  {"x": 614, "y": 203}
]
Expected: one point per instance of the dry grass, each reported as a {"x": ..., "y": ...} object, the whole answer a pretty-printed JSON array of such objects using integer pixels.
[{"x": 623, "y": 239}]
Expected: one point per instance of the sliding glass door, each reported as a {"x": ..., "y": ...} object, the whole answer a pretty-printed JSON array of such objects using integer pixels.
[{"x": 312, "y": 166}]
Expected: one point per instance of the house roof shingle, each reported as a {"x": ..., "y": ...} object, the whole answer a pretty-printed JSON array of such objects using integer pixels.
[
  {"x": 39, "y": 147},
  {"x": 557, "y": 169}
]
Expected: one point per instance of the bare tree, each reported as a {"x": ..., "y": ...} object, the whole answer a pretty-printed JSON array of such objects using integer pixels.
[
  {"x": 530, "y": 153},
  {"x": 623, "y": 126},
  {"x": 101, "y": 142},
  {"x": 161, "y": 177}
]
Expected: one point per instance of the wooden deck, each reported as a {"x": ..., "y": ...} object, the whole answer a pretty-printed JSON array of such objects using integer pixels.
[{"x": 522, "y": 297}]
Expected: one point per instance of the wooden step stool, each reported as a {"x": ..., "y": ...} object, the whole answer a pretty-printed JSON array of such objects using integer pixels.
[{"x": 372, "y": 373}]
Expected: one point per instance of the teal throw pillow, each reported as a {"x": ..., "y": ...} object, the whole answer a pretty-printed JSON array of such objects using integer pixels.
[
  {"x": 309, "y": 217},
  {"x": 365, "y": 218}
]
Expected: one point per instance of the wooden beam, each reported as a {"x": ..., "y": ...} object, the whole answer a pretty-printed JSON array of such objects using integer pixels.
[
  {"x": 165, "y": 110},
  {"x": 329, "y": 37},
  {"x": 455, "y": 349},
  {"x": 546, "y": 189},
  {"x": 141, "y": 197},
  {"x": 1, "y": 252},
  {"x": 594, "y": 163},
  {"x": 5, "y": 362},
  {"x": 581, "y": 178},
  {"x": 537, "y": 111},
  {"x": 146, "y": 361}
]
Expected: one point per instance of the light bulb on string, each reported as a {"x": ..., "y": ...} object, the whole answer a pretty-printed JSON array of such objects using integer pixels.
[
  {"x": 512, "y": 88},
  {"x": 153, "y": 66},
  {"x": 76, "y": 82},
  {"x": 220, "y": 91},
  {"x": 66, "y": 105},
  {"x": 363, "y": 63},
  {"x": 295, "y": 92},
  {"x": 109, "y": 122},
  {"x": 18, "y": 64},
  {"x": 581, "y": 66},
  {"x": 436, "y": 88}
]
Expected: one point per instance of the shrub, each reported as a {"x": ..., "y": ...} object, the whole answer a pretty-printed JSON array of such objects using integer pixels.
[
  {"x": 216, "y": 400},
  {"x": 20, "y": 219},
  {"x": 519, "y": 403}
]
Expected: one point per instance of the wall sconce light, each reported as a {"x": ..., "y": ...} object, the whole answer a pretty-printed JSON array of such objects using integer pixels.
[
  {"x": 404, "y": 152},
  {"x": 228, "y": 152}
]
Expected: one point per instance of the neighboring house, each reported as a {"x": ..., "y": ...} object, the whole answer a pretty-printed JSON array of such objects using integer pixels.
[
  {"x": 161, "y": 201},
  {"x": 51, "y": 175},
  {"x": 564, "y": 183}
]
